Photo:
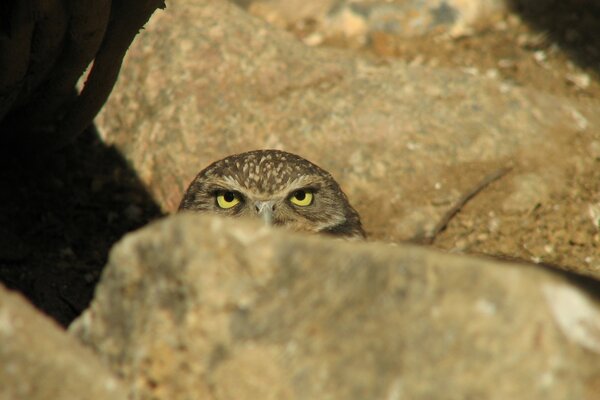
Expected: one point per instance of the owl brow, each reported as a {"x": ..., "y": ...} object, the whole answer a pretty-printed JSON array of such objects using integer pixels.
[
  {"x": 220, "y": 190},
  {"x": 303, "y": 182},
  {"x": 227, "y": 183},
  {"x": 313, "y": 188},
  {"x": 217, "y": 190}
]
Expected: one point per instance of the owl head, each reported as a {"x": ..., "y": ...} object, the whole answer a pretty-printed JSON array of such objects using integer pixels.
[{"x": 280, "y": 188}]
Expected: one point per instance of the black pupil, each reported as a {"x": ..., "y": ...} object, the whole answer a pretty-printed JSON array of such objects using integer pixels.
[
  {"x": 229, "y": 196},
  {"x": 300, "y": 195}
]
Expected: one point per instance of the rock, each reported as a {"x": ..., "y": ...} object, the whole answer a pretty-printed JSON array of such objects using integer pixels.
[
  {"x": 286, "y": 13},
  {"x": 40, "y": 361},
  {"x": 200, "y": 307},
  {"x": 391, "y": 134},
  {"x": 217, "y": 81},
  {"x": 356, "y": 20},
  {"x": 530, "y": 190}
]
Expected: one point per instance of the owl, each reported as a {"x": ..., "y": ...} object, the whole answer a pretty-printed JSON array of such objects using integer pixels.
[{"x": 280, "y": 188}]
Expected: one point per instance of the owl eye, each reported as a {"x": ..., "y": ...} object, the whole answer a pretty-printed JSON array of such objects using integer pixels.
[
  {"x": 227, "y": 199},
  {"x": 301, "y": 198}
]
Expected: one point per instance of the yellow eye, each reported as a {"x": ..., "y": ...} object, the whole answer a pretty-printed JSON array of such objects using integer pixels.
[
  {"x": 301, "y": 198},
  {"x": 227, "y": 199}
]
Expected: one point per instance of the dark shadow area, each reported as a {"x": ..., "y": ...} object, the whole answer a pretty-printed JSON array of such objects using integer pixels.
[
  {"x": 574, "y": 25},
  {"x": 59, "y": 217}
]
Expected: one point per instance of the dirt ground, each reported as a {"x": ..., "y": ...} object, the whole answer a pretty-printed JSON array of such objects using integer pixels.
[
  {"x": 60, "y": 215},
  {"x": 552, "y": 47}
]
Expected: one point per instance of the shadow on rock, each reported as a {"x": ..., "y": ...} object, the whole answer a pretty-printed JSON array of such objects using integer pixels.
[
  {"x": 574, "y": 25},
  {"x": 59, "y": 217}
]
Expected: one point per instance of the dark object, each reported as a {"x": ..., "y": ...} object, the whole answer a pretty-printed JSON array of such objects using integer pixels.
[{"x": 45, "y": 47}]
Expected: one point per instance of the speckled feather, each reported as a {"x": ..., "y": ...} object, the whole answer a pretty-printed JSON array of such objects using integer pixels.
[{"x": 272, "y": 175}]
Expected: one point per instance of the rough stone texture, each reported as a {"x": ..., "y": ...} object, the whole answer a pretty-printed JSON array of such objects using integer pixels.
[
  {"x": 206, "y": 80},
  {"x": 40, "y": 361},
  {"x": 357, "y": 20},
  {"x": 198, "y": 307}
]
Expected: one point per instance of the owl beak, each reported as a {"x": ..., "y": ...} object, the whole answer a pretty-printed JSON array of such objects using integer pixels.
[{"x": 265, "y": 211}]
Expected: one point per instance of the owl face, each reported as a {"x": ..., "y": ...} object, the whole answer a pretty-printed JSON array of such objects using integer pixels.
[{"x": 279, "y": 188}]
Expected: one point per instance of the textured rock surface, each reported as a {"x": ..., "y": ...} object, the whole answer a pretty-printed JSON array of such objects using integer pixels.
[
  {"x": 40, "y": 361},
  {"x": 357, "y": 20},
  {"x": 404, "y": 142},
  {"x": 196, "y": 307}
]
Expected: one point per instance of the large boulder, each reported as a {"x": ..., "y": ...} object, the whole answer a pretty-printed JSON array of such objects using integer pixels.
[
  {"x": 40, "y": 361},
  {"x": 206, "y": 80},
  {"x": 197, "y": 307}
]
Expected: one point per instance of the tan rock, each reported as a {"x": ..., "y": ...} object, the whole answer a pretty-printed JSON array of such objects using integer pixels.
[
  {"x": 40, "y": 361},
  {"x": 206, "y": 80},
  {"x": 197, "y": 307},
  {"x": 356, "y": 19},
  {"x": 404, "y": 142}
]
